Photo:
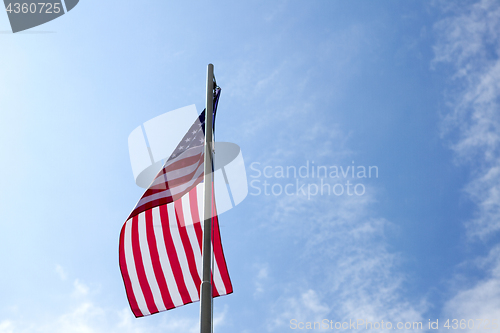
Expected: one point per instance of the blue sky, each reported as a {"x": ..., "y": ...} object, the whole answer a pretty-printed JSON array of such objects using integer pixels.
[{"x": 410, "y": 87}]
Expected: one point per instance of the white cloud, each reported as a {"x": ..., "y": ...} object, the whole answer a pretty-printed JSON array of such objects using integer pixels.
[
  {"x": 83, "y": 315},
  {"x": 468, "y": 40},
  {"x": 6, "y": 326},
  {"x": 219, "y": 319},
  {"x": 481, "y": 301},
  {"x": 61, "y": 272},
  {"x": 345, "y": 270},
  {"x": 306, "y": 307},
  {"x": 262, "y": 274},
  {"x": 485, "y": 192},
  {"x": 80, "y": 289},
  {"x": 282, "y": 87}
]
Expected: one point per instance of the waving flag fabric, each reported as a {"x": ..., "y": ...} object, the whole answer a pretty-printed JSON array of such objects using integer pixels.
[{"x": 161, "y": 241}]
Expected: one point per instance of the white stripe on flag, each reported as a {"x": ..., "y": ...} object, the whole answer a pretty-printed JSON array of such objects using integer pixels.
[
  {"x": 181, "y": 254},
  {"x": 186, "y": 208},
  {"x": 164, "y": 262},
  {"x": 219, "y": 284},
  {"x": 172, "y": 191},
  {"x": 148, "y": 265},
  {"x": 130, "y": 263},
  {"x": 184, "y": 170},
  {"x": 199, "y": 195},
  {"x": 177, "y": 173}
]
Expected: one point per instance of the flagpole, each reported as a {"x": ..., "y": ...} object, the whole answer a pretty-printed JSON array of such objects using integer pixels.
[{"x": 206, "y": 285}]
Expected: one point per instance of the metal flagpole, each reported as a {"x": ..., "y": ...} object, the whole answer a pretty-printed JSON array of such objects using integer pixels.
[{"x": 206, "y": 285}]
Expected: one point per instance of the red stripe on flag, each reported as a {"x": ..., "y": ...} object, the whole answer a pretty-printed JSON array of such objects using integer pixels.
[
  {"x": 171, "y": 183},
  {"x": 215, "y": 292},
  {"x": 219, "y": 255},
  {"x": 193, "y": 201},
  {"x": 172, "y": 256},
  {"x": 126, "y": 278},
  {"x": 184, "y": 162},
  {"x": 162, "y": 201},
  {"x": 187, "y": 244},
  {"x": 155, "y": 260},
  {"x": 139, "y": 267}
]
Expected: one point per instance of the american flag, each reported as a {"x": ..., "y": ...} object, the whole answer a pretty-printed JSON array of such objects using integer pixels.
[{"x": 161, "y": 241}]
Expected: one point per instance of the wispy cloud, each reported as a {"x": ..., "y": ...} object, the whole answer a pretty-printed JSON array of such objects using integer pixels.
[
  {"x": 280, "y": 89},
  {"x": 6, "y": 326},
  {"x": 468, "y": 40},
  {"x": 305, "y": 307},
  {"x": 61, "y": 272},
  {"x": 347, "y": 270},
  {"x": 481, "y": 301},
  {"x": 80, "y": 289},
  {"x": 84, "y": 315},
  {"x": 343, "y": 266},
  {"x": 262, "y": 274}
]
